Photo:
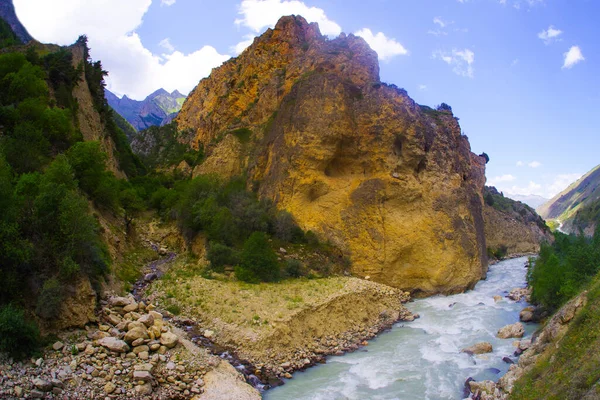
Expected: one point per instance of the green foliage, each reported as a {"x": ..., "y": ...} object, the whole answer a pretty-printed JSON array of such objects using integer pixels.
[
  {"x": 221, "y": 255},
  {"x": 50, "y": 299},
  {"x": 570, "y": 369},
  {"x": 294, "y": 268},
  {"x": 444, "y": 107},
  {"x": 258, "y": 261},
  {"x": 498, "y": 253},
  {"x": 563, "y": 268},
  {"x": 18, "y": 336},
  {"x": 7, "y": 36},
  {"x": 159, "y": 146}
]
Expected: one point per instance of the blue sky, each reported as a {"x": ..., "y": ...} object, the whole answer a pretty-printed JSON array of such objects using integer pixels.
[{"x": 520, "y": 74}]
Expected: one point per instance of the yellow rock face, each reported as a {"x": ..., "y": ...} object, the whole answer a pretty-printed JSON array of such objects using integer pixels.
[{"x": 391, "y": 183}]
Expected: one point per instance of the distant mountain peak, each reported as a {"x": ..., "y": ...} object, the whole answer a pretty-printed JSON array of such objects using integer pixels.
[
  {"x": 158, "y": 92},
  {"x": 156, "y": 109}
]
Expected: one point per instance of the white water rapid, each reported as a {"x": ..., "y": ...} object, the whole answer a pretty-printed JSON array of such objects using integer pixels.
[{"x": 422, "y": 359}]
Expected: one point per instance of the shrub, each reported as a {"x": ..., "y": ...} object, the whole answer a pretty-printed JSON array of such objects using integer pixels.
[
  {"x": 444, "y": 107},
  {"x": 18, "y": 336},
  {"x": 68, "y": 268},
  {"x": 294, "y": 268},
  {"x": 220, "y": 255},
  {"x": 258, "y": 259},
  {"x": 286, "y": 228},
  {"x": 50, "y": 300}
]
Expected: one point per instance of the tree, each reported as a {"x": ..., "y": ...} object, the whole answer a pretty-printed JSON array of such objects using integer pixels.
[
  {"x": 258, "y": 260},
  {"x": 484, "y": 155},
  {"x": 444, "y": 107}
]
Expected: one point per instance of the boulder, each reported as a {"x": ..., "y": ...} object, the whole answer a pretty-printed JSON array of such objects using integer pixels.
[
  {"x": 169, "y": 339},
  {"x": 58, "y": 345},
  {"x": 42, "y": 384},
  {"x": 135, "y": 324},
  {"x": 147, "y": 320},
  {"x": 497, "y": 298},
  {"x": 114, "y": 344},
  {"x": 136, "y": 333},
  {"x": 479, "y": 348},
  {"x": 526, "y": 314},
  {"x": 142, "y": 375},
  {"x": 511, "y": 331},
  {"x": 144, "y": 390},
  {"x": 109, "y": 388},
  {"x": 130, "y": 307},
  {"x": 119, "y": 301},
  {"x": 484, "y": 386}
]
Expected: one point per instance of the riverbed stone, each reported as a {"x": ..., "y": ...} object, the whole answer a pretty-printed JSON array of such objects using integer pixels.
[
  {"x": 42, "y": 384},
  {"x": 169, "y": 339},
  {"x": 511, "y": 331},
  {"x": 136, "y": 333},
  {"x": 478, "y": 348},
  {"x": 526, "y": 314},
  {"x": 484, "y": 386},
  {"x": 114, "y": 344}
]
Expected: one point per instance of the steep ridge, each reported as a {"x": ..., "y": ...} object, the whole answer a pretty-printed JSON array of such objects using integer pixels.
[
  {"x": 155, "y": 110},
  {"x": 564, "y": 206},
  {"x": 8, "y": 14},
  {"x": 358, "y": 162},
  {"x": 511, "y": 227}
]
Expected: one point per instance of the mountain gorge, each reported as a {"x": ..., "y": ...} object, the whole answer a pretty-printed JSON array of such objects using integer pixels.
[
  {"x": 309, "y": 122},
  {"x": 157, "y": 109}
]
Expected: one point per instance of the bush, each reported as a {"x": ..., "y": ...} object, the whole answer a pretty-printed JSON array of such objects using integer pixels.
[
  {"x": 294, "y": 268},
  {"x": 50, "y": 300},
  {"x": 563, "y": 268},
  {"x": 286, "y": 229},
  {"x": 18, "y": 337},
  {"x": 258, "y": 260},
  {"x": 220, "y": 255}
]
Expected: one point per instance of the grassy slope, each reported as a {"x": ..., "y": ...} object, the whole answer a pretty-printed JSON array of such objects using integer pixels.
[
  {"x": 565, "y": 205},
  {"x": 573, "y": 369}
]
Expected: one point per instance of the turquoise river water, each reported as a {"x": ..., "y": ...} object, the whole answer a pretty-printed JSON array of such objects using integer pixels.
[{"x": 422, "y": 359}]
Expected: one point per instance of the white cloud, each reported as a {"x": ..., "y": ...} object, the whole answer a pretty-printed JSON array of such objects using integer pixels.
[
  {"x": 260, "y": 14},
  {"x": 520, "y": 163},
  {"x": 550, "y": 186},
  {"x": 439, "y": 21},
  {"x": 572, "y": 57},
  {"x": 535, "y": 164},
  {"x": 514, "y": 62},
  {"x": 500, "y": 179},
  {"x": 422, "y": 87},
  {"x": 437, "y": 32},
  {"x": 110, "y": 26},
  {"x": 549, "y": 35},
  {"x": 531, "y": 188},
  {"x": 166, "y": 44},
  {"x": 561, "y": 182},
  {"x": 385, "y": 47},
  {"x": 167, "y": 2},
  {"x": 460, "y": 60}
]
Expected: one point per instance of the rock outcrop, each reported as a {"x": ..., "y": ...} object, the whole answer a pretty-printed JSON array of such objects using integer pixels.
[
  {"x": 7, "y": 13},
  {"x": 391, "y": 183},
  {"x": 512, "y": 227}
]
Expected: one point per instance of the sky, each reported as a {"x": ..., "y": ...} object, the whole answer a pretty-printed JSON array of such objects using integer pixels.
[{"x": 522, "y": 75}]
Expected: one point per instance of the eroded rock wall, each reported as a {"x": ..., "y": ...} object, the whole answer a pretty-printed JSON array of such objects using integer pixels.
[{"x": 392, "y": 183}]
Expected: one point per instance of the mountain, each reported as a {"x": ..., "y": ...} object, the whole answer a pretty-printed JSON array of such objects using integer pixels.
[
  {"x": 580, "y": 198},
  {"x": 356, "y": 161},
  {"x": 7, "y": 13},
  {"x": 532, "y": 200},
  {"x": 511, "y": 227},
  {"x": 157, "y": 109}
]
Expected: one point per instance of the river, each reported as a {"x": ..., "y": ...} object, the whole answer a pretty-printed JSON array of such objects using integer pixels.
[{"x": 422, "y": 359}]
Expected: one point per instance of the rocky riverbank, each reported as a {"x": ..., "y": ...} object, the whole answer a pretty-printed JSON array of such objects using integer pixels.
[
  {"x": 280, "y": 328},
  {"x": 529, "y": 351},
  {"x": 131, "y": 353}
]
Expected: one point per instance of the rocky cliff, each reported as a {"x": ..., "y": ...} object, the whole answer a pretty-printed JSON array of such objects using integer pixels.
[
  {"x": 357, "y": 161},
  {"x": 511, "y": 227}
]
